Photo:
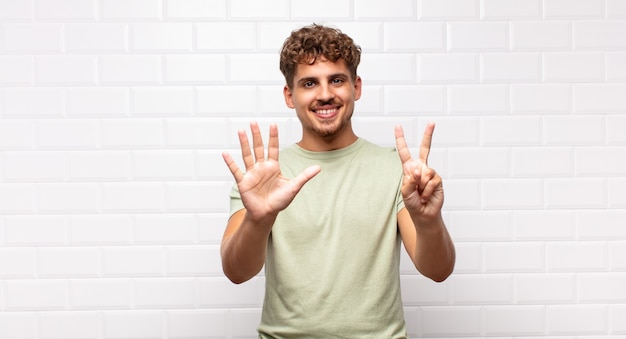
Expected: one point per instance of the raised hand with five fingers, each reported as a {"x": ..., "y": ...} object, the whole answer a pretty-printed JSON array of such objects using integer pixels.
[{"x": 264, "y": 190}]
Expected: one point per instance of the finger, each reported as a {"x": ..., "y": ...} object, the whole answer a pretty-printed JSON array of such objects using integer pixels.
[
  {"x": 403, "y": 149},
  {"x": 246, "y": 155},
  {"x": 272, "y": 146},
  {"x": 257, "y": 142},
  {"x": 429, "y": 189},
  {"x": 426, "y": 141},
  {"x": 232, "y": 166},
  {"x": 304, "y": 177}
]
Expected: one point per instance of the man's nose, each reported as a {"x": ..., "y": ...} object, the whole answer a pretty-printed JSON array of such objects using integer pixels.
[{"x": 325, "y": 92}]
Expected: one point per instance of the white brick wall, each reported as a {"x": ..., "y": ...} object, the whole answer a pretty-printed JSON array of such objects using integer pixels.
[{"x": 113, "y": 194}]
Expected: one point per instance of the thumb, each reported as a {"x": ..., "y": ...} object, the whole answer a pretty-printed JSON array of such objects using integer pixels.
[{"x": 305, "y": 176}]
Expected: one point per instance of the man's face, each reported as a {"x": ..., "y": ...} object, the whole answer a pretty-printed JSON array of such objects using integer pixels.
[{"x": 323, "y": 96}]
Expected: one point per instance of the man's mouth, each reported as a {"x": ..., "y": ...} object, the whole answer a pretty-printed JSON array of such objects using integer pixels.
[{"x": 326, "y": 112}]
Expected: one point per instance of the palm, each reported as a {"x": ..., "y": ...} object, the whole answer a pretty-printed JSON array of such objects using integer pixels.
[{"x": 264, "y": 190}]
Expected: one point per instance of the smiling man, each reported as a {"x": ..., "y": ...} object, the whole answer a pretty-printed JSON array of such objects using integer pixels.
[{"x": 327, "y": 219}]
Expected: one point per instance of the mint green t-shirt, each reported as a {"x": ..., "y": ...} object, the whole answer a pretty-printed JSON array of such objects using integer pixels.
[{"x": 332, "y": 266}]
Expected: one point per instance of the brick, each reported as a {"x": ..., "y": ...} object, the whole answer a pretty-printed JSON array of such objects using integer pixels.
[
  {"x": 412, "y": 100},
  {"x": 67, "y": 134},
  {"x": 462, "y": 194},
  {"x": 18, "y": 325},
  {"x": 306, "y": 10},
  {"x": 368, "y": 35},
  {"x": 243, "y": 322},
  {"x": 253, "y": 69},
  {"x": 170, "y": 36},
  {"x": 614, "y": 127},
  {"x": 234, "y": 36},
  {"x": 133, "y": 197},
  {"x": 468, "y": 257},
  {"x": 133, "y": 324},
  {"x": 132, "y": 133},
  {"x": 66, "y": 10},
  {"x": 435, "y": 321},
  {"x": 64, "y": 197},
  {"x": 104, "y": 37},
  {"x": 16, "y": 70},
  {"x": 604, "y": 35},
  {"x": 137, "y": 69},
  {"x": 226, "y": 100},
  {"x": 486, "y": 289},
  {"x": 194, "y": 261},
  {"x": 17, "y": 263},
  {"x": 568, "y": 9},
  {"x": 99, "y": 294},
  {"x": 65, "y": 69},
  {"x": 604, "y": 225},
  {"x": 599, "y": 98},
  {"x": 513, "y": 257},
  {"x": 616, "y": 66},
  {"x": 512, "y": 193},
  {"x": 32, "y": 37},
  {"x": 36, "y": 230},
  {"x": 551, "y": 288},
  {"x": 195, "y": 69},
  {"x": 195, "y": 132},
  {"x": 542, "y": 161},
  {"x": 616, "y": 314},
  {"x": 541, "y": 35},
  {"x": 33, "y": 166},
  {"x": 575, "y": 193},
  {"x": 197, "y": 324},
  {"x": 511, "y": 9},
  {"x": 508, "y": 131},
  {"x": 163, "y": 165},
  {"x": 27, "y": 295},
  {"x": 127, "y": 261},
  {"x": 165, "y": 293},
  {"x": 217, "y": 292},
  {"x": 573, "y": 67},
  {"x": 616, "y": 192},
  {"x": 192, "y": 9},
  {"x": 448, "y": 68},
  {"x": 601, "y": 287},
  {"x": 70, "y": 325},
  {"x": 544, "y": 225},
  {"x": 478, "y": 36},
  {"x": 198, "y": 197},
  {"x": 479, "y": 99},
  {"x": 10, "y": 10},
  {"x": 149, "y": 101},
  {"x": 131, "y": 9},
  {"x": 100, "y": 101},
  {"x": 389, "y": 69},
  {"x": 17, "y": 198},
  {"x": 425, "y": 36},
  {"x": 100, "y": 229},
  {"x": 559, "y": 319},
  {"x": 510, "y": 67},
  {"x": 164, "y": 228},
  {"x": 417, "y": 290},
  {"x": 98, "y": 165},
  {"x": 581, "y": 257},
  {"x": 68, "y": 262},
  {"x": 210, "y": 165},
  {"x": 34, "y": 102},
  {"x": 249, "y": 9},
  {"x": 211, "y": 227},
  {"x": 514, "y": 320},
  {"x": 544, "y": 99},
  {"x": 615, "y": 9},
  {"x": 573, "y": 130},
  {"x": 449, "y": 9},
  {"x": 594, "y": 161},
  {"x": 395, "y": 9},
  {"x": 478, "y": 162}
]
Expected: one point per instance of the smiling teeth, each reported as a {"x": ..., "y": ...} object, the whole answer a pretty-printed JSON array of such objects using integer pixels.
[{"x": 325, "y": 111}]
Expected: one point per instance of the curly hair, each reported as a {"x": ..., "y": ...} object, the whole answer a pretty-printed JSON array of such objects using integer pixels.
[{"x": 308, "y": 44}]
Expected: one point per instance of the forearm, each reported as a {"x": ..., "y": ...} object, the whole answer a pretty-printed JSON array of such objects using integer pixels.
[
  {"x": 434, "y": 254},
  {"x": 244, "y": 250}
]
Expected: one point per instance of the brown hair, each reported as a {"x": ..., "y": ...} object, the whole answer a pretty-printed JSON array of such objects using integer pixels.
[{"x": 310, "y": 43}]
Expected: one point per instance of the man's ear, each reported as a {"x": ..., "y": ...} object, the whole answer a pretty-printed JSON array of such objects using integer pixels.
[
  {"x": 358, "y": 85},
  {"x": 288, "y": 96}
]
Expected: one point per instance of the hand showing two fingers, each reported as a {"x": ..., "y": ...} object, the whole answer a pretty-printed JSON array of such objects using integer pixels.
[{"x": 422, "y": 188}]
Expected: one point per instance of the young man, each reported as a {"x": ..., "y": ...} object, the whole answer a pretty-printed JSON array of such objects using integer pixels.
[{"x": 327, "y": 219}]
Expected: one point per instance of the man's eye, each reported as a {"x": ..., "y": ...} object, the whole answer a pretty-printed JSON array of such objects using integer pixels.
[
  {"x": 309, "y": 84},
  {"x": 336, "y": 81}
]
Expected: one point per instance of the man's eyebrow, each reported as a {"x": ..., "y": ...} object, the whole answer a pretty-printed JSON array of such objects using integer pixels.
[{"x": 331, "y": 76}]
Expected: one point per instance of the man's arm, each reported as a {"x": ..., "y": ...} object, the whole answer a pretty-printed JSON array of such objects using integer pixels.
[
  {"x": 264, "y": 193},
  {"x": 420, "y": 223}
]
